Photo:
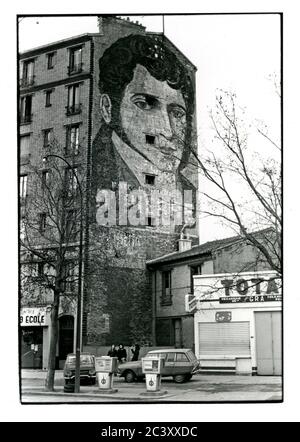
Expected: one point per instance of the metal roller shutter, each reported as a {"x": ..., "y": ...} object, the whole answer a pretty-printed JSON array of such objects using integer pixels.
[{"x": 228, "y": 338}]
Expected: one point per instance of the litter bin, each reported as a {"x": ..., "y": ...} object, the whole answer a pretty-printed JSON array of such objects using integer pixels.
[
  {"x": 105, "y": 368},
  {"x": 69, "y": 386}
]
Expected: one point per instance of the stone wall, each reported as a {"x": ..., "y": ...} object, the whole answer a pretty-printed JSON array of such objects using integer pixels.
[{"x": 119, "y": 298}]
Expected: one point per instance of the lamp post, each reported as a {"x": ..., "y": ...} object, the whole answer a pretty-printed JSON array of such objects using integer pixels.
[{"x": 78, "y": 315}]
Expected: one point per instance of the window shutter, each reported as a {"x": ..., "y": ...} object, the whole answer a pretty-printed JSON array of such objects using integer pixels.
[{"x": 232, "y": 338}]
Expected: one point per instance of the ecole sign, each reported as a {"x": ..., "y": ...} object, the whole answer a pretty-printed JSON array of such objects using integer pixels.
[{"x": 33, "y": 317}]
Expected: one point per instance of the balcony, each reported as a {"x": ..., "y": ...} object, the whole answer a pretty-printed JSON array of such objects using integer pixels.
[
  {"x": 27, "y": 81},
  {"x": 73, "y": 109},
  {"x": 25, "y": 119},
  {"x": 75, "y": 69}
]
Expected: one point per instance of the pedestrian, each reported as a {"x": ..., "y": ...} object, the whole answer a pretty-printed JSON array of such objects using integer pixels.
[
  {"x": 135, "y": 350},
  {"x": 122, "y": 354},
  {"x": 112, "y": 352}
]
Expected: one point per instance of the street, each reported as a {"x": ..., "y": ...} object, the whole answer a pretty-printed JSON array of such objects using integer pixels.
[{"x": 201, "y": 388}]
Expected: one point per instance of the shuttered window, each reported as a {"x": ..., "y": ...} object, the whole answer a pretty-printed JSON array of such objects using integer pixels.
[{"x": 222, "y": 339}]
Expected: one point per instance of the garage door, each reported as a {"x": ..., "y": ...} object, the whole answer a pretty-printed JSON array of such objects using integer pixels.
[
  {"x": 268, "y": 343},
  {"x": 230, "y": 338}
]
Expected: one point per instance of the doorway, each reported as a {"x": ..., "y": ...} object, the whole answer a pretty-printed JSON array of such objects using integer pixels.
[
  {"x": 32, "y": 347},
  {"x": 66, "y": 336}
]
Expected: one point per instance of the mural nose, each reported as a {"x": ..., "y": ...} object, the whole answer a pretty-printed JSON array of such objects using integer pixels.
[{"x": 165, "y": 125}]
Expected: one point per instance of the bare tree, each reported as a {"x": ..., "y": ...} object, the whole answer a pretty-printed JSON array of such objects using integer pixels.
[
  {"x": 235, "y": 162},
  {"x": 49, "y": 232}
]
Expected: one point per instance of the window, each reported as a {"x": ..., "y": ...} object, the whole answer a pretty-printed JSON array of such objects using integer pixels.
[
  {"x": 43, "y": 222},
  {"x": 48, "y": 98},
  {"x": 73, "y": 107},
  {"x": 26, "y": 108},
  {"x": 50, "y": 60},
  {"x": 47, "y": 135},
  {"x": 195, "y": 270},
  {"x": 166, "y": 288},
  {"x": 150, "y": 221},
  {"x": 70, "y": 276},
  {"x": 22, "y": 229},
  {"x": 41, "y": 269},
  {"x": 27, "y": 73},
  {"x": 71, "y": 181},
  {"x": 75, "y": 64},
  {"x": 150, "y": 180},
  {"x": 150, "y": 139},
  {"x": 181, "y": 357},
  {"x": 71, "y": 229},
  {"x": 45, "y": 179},
  {"x": 170, "y": 357},
  {"x": 23, "y": 186},
  {"x": 72, "y": 147},
  {"x": 24, "y": 145}
]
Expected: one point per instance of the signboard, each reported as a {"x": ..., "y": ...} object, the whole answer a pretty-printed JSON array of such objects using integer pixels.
[
  {"x": 191, "y": 303},
  {"x": 223, "y": 316},
  {"x": 151, "y": 365},
  {"x": 33, "y": 317},
  {"x": 254, "y": 298},
  {"x": 105, "y": 364}
]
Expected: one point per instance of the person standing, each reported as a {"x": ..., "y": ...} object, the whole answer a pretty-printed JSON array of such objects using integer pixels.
[
  {"x": 135, "y": 350},
  {"x": 122, "y": 354},
  {"x": 112, "y": 352}
]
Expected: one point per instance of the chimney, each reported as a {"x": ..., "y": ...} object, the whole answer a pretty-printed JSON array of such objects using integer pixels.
[{"x": 184, "y": 243}]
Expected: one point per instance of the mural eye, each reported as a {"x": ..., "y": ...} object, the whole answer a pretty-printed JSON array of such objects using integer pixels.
[
  {"x": 144, "y": 102},
  {"x": 178, "y": 112}
]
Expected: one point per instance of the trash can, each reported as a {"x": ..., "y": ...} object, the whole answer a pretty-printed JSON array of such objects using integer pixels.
[{"x": 69, "y": 387}]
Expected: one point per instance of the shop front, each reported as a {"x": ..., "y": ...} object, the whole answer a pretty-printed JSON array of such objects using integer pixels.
[
  {"x": 34, "y": 338},
  {"x": 238, "y": 322}
]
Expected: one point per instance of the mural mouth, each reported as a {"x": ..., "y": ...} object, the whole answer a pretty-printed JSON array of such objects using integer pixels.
[{"x": 168, "y": 151}]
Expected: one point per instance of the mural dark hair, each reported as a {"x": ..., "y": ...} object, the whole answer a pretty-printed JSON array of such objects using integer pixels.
[{"x": 117, "y": 67}]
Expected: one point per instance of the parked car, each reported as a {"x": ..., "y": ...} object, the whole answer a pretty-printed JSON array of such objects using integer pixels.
[
  {"x": 180, "y": 363},
  {"x": 87, "y": 368}
]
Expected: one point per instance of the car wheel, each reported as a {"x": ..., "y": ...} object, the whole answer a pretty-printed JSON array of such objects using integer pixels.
[
  {"x": 129, "y": 376},
  {"x": 179, "y": 378}
]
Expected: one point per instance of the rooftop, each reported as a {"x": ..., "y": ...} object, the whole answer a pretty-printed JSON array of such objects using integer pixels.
[{"x": 202, "y": 249}]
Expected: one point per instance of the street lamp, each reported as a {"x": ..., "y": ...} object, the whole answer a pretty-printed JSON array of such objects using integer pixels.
[{"x": 78, "y": 316}]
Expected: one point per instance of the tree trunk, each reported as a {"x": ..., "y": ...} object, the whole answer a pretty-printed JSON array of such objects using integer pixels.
[{"x": 49, "y": 384}]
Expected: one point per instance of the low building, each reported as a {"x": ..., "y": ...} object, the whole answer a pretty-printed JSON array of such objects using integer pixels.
[
  {"x": 176, "y": 276},
  {"x": 237, "y": 322}
]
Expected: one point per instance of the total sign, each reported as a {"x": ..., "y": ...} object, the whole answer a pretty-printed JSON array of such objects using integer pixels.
[{"x": 33, "y": 317}]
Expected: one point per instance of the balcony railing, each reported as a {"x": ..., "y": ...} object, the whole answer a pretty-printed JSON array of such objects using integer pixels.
[
  {"x": 27, "y": 118},
  {"x": 73, "y": 109},
  {"x": 75, "y": 69},
  {"x": 27, "y": 81}
]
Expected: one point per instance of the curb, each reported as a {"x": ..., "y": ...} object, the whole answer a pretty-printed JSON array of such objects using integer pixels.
[{"x": 139, "y": 397}]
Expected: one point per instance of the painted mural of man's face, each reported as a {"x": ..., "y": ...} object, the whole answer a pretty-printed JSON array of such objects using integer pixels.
[
  {"x": 153, "y": 118},
  {"x": 147, "y": 102}
]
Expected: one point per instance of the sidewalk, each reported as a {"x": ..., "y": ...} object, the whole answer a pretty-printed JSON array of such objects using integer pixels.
[{"x": 202, "y": 388}]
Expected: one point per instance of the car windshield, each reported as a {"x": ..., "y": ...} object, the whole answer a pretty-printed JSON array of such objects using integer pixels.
[{"x": 84, "y": 359}]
